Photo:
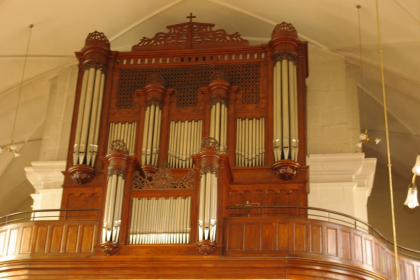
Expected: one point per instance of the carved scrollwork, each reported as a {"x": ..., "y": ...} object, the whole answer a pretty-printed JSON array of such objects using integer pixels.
[
  {"x": 221, "y": 100},
  {"x": 118, "y": 145},
  {"x": 155, "y": 78},
  {"x": 94, "y": 64},
  {"x": 210, "y": 169},
  {"x": 157, "y": 103},
  {"x": 286, "y": 169},
  {"x": 206, "y": 247},
  {"x": 284, "y": 29},
  {"x": 120, "y": 172},
  {"x": 95, "y": 37},
  {"x": 163, "y": 179},
  {"x": 208, "y": 143},
  {"x": 109, "y": 248},
  {"x": 284, "y": 56},
  {"x": 218, "y": 75},
  {"x": 82, "y": 173}
]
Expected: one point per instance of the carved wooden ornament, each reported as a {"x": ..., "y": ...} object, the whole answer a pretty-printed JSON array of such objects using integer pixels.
[
  {"x": 206, "y": 247},
  {"x": 82, "y": 173},
  {"x": 286, "y": 169},
  {"x": 109, "y": 248}
]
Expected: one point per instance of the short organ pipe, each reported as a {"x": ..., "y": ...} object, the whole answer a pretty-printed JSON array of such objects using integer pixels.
[{"x": 250, "y": 139}]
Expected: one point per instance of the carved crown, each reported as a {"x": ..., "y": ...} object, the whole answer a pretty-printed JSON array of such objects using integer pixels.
[
  {"x": 156, "y": 79},
  {"x": 97, "y": 38},
  {"x": 284, "y": 29},
  {"x": 191, "y": 35}
]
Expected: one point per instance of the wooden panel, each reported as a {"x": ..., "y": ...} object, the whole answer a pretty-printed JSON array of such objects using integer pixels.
[
  {"x": 266, "y": 237},
  {"x": 3, "y": 246},
  {"x": 316, "y": 239},
  {"x": 25, "y": 245},
  {"x": 369, "y": 252},
  {"x": 41, "y": 239},
  {"x": 409, "y": 271},
  {"x": 88, "y": 237},
  {"x": 383, "y": 261},
  {"x": 332, "y": 242},
  {"x": 12, "y": 241},
  {"x": 233, "y": 242},
  {"x": 377, "y": 256},
  {"x": 250, "y": 236},
  {"x": 72, "y": 239},
  {"x": 358, "y": 248},
  {"x": 56, "y": 239},
  {"x": 345, "y": 245},
  {"x": 282, "y": 237},
  {"x": 299, "y": 237}
]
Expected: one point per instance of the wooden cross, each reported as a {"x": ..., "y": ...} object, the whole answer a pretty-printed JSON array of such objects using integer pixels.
[{"x": 191, "y": 17}]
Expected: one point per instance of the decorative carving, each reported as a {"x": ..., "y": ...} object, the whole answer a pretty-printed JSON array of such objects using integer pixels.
[
  {"x": 109, "y": 248},
  {"x": 284, "y": 56},
  {"x": 221, "y": 100},
  {"x": 206, "y": 247},
  {"x": 210, "y": 169},
  {"x": 187, "y": 80},
  {"x": 209, "y": 143},
  {"x": 118, "y": 145},
  {"x": 94, "y": 64},
  {"x": 82, "y": 173},
  {"x": 284, "y": 29},
  {"x": 286, "y": 169},
  {"x": 120, "y": 172},
  {"x": 163, "y": 179},
  {"x": 149, "y": 171},
  {"x": 191, "y": 35},
  {"x": 155, "y": 102},
  {"x": 97, "y": 38},
  {"x": 156, "y": 79},
  {"x": 218, "y": 75}
]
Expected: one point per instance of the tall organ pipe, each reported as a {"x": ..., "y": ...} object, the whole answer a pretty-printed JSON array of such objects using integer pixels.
[
  {"x": 151, "y": 135},
  {"x": 113, "y": 207},
  {"x": 285, "y": 111},
  {"x": 88, "y": 120},
  {"x": 218, "y": 124}
]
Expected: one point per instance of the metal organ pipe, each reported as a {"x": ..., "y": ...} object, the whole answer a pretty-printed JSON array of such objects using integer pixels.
[
  {"x": 160, "y": 220},
  {"x": 250, "y": 139},
  {"x": 151, "y": 135},
  {"x": 218, "y": 124},
  {"x": 285, "y": 110},
  {"x": 125, "y": 132},
  {"x": 184, "y": 141},
  {"x": 113, "y": 207},
  {"x": 88, "y": 120}
]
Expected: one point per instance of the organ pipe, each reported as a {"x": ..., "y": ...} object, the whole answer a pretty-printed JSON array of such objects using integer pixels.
[
  {"x": 151, "y": 134},
  {"x": 113, "y": 208},
  {"x": 88, "y": 120},
  {"x": 125, "y": 132},
  {"x": 285, "y": 111},
  {"x": 184, "y": 141},
  {"x": 218, "y": 123},
  {"x": 160, "y": 220},
  {"x": 250, "y": 142}
]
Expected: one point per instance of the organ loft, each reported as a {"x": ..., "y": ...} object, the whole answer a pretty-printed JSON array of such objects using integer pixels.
[{"x": 187, "y": 159}]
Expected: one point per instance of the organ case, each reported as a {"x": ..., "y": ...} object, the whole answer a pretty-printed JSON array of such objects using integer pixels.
[{"x": 141, "y": 116}]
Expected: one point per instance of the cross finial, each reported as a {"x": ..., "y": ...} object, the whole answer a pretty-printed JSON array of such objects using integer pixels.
[{"x": 191, "y": 17}]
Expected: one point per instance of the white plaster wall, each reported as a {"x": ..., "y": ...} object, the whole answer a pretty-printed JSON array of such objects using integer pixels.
[{"x": 332, "y": 104}]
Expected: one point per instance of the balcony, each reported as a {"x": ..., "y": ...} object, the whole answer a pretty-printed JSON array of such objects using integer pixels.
[{"x": 258, "y": 242}]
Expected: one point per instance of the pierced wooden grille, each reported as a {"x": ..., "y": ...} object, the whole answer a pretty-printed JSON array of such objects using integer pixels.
[{"x": 188, "y": 79}]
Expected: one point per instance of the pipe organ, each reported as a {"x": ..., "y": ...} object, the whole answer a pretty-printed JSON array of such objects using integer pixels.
[{"x": 194, "y": 125}]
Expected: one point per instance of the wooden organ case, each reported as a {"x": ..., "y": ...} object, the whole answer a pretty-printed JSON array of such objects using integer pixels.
[{"x": 167, "y": 137}]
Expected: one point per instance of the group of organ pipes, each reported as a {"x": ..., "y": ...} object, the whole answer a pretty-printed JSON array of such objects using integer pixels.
[{"x": 234, "y": 132}]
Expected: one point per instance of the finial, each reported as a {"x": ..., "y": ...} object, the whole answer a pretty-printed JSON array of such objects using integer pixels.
[
  {"x": 358, "y": 6},
  {"x": 31, "y": 25}
]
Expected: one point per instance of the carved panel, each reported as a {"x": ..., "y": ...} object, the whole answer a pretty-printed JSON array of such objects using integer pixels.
[
  {"x": 316, "y": 239},
  {"x": 233, "y": 242},
  {"x": 2, "y": 242},
  {"x": 163, "y": 179},
  {"x": 345, "y": 245},
  {"x": 299, "y": 237},
  {"x": 282, "y": 236},
  {"x": 332, "y": 242},
  {"x": 187, "y": 81},
  {"x": 25, "y": 245},
  {"x": 266, "y": 236},
  {"x": 41, "y": 239},
  {"x": 250, "y": 236}
]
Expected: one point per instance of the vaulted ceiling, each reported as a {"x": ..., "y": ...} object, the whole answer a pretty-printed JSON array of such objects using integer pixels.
[{"x": 62, "y": 26}]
